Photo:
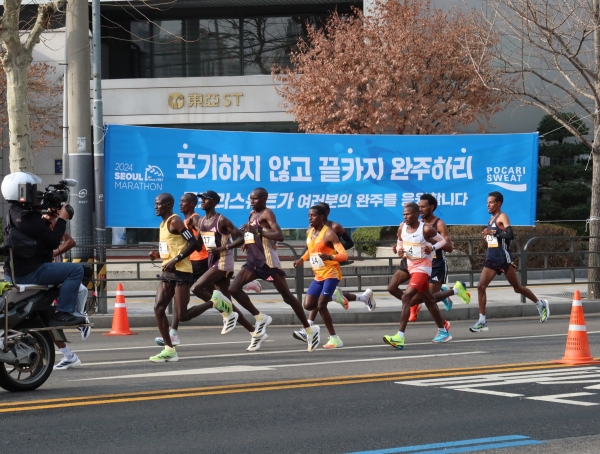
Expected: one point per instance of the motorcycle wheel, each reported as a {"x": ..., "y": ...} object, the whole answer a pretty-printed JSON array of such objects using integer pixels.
[{"x": 28, "y": 378}]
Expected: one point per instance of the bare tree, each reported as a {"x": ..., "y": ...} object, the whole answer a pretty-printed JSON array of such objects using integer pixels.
[
  {"x": 547, "y": 55},
  {"x": 16, "y": 56},
  {"x": 402, "y": 70}
]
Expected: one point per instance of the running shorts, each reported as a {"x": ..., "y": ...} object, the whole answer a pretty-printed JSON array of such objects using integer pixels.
[
  {"x": 439, "y": 272},
  {"x": 325, "y": 288},
  {"x": 175, "y": 278},
  {"x": 199, "y": 267},
  {"x": 403, "y": 266},
  {"x": 265, "y": 272},
  {"x": 499, "y": 268},
  {"x": 420, "y": 281}
]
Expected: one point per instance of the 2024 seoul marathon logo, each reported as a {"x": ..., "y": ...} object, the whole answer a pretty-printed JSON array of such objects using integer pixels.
[
  {"x": 507, "y": 177},
  {"x": 127, "y": 178}
]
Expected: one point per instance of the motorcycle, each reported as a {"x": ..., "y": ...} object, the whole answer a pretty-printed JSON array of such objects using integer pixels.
[{"x": 26, "y": 338}]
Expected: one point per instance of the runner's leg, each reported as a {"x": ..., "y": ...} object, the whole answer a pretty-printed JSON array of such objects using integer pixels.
[
  {"x": 164, "y": 294},
  {"x": 487, "y": 275},
  {"x": 222, "y": 285},
  {"x": 513, "y": 279},
  {"x": 281, "y": 285},
  {"x": 243, "y": 277},
  {"x": 397, "y": 279}
]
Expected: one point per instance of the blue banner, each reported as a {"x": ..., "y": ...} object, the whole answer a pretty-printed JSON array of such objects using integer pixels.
[{"x": 366, "y": 179}]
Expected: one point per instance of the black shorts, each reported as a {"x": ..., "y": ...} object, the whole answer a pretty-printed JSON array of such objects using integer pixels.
[
  {"x": 499, "y": 268},
  {"x": 265, "y": 272},
  {"x": 175, "y": 278},
  {"x": 439, "y": 272},
  {"x": 403, "y": 266},
  {"x": 200, "y": 267}
]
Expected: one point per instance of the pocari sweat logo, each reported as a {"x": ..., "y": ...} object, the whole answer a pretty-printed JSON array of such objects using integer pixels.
[
  {"x": 508, "y": 178},
  {"x": 153, "y": 173}
]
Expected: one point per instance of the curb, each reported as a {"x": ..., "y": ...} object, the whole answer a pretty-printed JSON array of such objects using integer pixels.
[{"x": 378, "y": 316}]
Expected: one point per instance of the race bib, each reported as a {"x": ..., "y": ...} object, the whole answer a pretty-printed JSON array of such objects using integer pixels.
[
  {"x": 209, "y": 239},
  {"x": 316, "y": 261},
  {"x": 492, "y": 241},
  {"x": 163, "y": 250},
  {"x": 413, "y": 252},
  {"x": 248, "y": 238}
]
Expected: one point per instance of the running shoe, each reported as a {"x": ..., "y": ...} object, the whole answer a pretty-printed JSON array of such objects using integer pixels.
[
  {"x": 221, "y": 305},
  {"x": 441, "y": 337},
  {"x": 85, "y": 330},
  {"x": 174, "y": 340},
  {"x": 479, "y": 326},
  {"x": 370, "y": 301},
  {"x": 165, "y": 357},
  {"x": 544, "y": 310},
  {"x": 462, "y": 292},
  {"x": 395, "y": 341},
  {"x": 65, "y": 363},
  {"x": 339, "y": 298},
  {"x": 256, "y": 342},
  {"x": 260, "y": 328},
  {"x": 447, "y": 301},
  {"x": 254, "y": 286},
  {"x": 300, "y": 335},
  {"x": 414, "y": 312},
  {"x": 314, "y": 338},
  {"x": 229, "y": 323},
  {"x": 334, "y": 342}
]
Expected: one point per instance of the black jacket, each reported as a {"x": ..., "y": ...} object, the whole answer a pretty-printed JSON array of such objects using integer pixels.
[{"x": 32, "y": 223}]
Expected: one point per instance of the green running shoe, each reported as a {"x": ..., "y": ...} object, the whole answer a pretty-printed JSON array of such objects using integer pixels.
[
  {"x": 339, "y": 298},
  {"x": 165, "y": 356},
  {"x": 333, "y": 342},
  {"x": 221, "y": 305},
  {"x": 462, "y": 292},
  {"x": 395, "y": 341},
  {"x": 544, "y": 310}
]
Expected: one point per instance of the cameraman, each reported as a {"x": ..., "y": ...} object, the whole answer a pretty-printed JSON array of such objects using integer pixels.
[{"x": 26, "y": 217}]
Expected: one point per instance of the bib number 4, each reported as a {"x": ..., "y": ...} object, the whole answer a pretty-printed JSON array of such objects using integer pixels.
[{"x": 316, "y": 262}]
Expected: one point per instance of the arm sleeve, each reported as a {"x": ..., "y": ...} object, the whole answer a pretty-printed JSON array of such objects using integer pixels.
[
  {"x": 305, "y": 256},
  {"x": 341, "y": 255},
  {"x": 440, "y": 242},
  {"x": 192, "y": 243},
  {"x": 346, "y": 241},
  {"x": 507, "y": 234}
]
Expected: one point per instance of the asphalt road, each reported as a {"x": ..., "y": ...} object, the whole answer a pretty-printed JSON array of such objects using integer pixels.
[{"x": 478, "y": 393}]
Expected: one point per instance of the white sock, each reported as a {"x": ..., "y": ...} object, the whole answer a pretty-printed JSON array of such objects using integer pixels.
[
  {"x": 311, "y": 322},
  {"x": 401, "y": 334},
  {"x": 481, "y": 318},
  {"x": 539, "y": 304},
  {"x": 172, "y": 332},
  {"x": 443, "y": 330},
  {"x": 67, "y": 352},
  {"x": 362, "y": 297},
  {"x": 335, "y": 336},
  {"x": 259, "y": 317},
  {"x": 455, "y": 291}
]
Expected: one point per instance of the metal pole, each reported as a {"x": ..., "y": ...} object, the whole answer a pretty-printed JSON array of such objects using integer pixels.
[
  {"x": 65, "y": 155},
  {"x": 98, "y": 122},
  {"x": 78, "y": 106}
]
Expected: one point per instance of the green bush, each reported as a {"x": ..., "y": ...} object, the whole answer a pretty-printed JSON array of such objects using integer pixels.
[
  {"x": 522, "y": 235},
  {"x": 368, "y": 234}
]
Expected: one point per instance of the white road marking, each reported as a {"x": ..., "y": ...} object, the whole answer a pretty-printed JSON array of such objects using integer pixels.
[
  {"x": 156, "y": 346},
  {"x": 560, "y": 399},
  {"x": 229, "y": 355},
  {"x": 171, "y": 373},
  {"x": 275, "y": 367},
  {"x": 485, "y": 391},
  {"x": 590, "y": 374}
]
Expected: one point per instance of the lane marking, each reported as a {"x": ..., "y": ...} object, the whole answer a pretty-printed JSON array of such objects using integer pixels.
[
  {"x": 142, "y": 396},
  {"x": 261, "y": 368},
  {"x": 485, "y": 391},
  {"x": 462, "y": 445},
  {"x": 560, "y": 399},
  {"x": 259, "y": 353},
  {"x": 156, "y": 346}
]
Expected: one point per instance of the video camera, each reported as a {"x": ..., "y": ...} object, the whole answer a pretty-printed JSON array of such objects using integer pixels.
[{"x": 51, "y": 200}]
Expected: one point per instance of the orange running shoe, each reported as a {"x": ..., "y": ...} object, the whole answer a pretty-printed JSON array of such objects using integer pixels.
[{"x": 414, "y": 313}]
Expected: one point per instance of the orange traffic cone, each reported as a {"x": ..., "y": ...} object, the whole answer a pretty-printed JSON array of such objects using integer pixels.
[
  {"x": 578, "y": 347},
  {"x": 120, "y": 325}
]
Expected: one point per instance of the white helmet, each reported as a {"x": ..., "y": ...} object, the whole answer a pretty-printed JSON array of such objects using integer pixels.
[{"x": 11, "y": 182}]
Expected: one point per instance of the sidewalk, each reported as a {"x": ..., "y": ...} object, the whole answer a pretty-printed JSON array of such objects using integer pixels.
[{"x": 502, "y": 303}]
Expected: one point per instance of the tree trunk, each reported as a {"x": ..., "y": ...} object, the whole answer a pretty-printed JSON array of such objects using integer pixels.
[
  {"x": 594, "y": 224},
  {"x": 21, "y": 156}
]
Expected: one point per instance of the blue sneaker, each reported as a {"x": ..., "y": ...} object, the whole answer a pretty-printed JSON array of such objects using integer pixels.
[
  {"x": 447, "y": 301},
  {"x": 441, "y": 337}
]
